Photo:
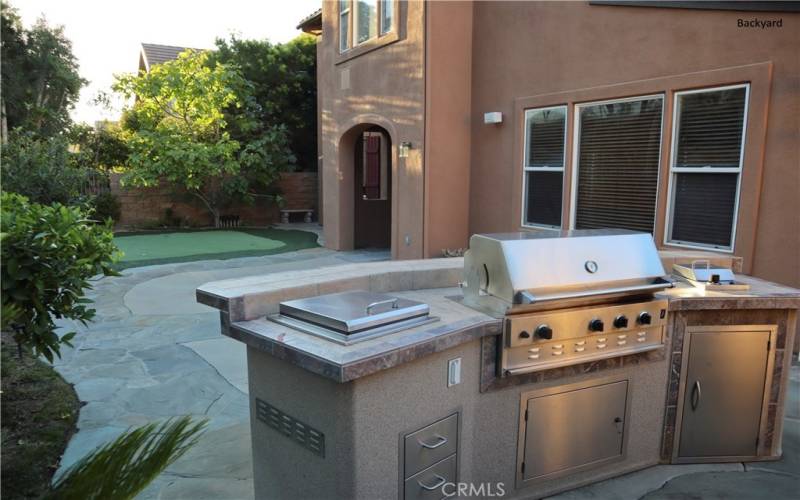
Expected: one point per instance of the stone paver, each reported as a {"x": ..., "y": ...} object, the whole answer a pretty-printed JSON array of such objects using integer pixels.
[{"x": 153, "y": 353}]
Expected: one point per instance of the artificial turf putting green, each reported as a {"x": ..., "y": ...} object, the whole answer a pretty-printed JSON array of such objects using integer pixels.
[{"x": 143, "y": 249}]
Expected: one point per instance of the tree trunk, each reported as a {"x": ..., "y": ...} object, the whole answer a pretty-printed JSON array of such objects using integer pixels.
[
  {"x": 213, "y": 210},
  {"x": 3, "y": 122}
]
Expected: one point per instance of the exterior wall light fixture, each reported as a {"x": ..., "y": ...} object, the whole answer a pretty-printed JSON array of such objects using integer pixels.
[
  {"x": 493, "y": 117},
  {"x": 402, "y": 150}
]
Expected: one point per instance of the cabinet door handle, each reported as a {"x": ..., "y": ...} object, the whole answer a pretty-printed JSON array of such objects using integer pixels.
[
  {"x": 440, "y": 440},
  {"x": 697, "y": 393},
  {"x": 439, "y": 483}
]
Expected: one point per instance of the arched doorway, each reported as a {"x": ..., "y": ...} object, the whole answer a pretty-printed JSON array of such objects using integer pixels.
[{"x": 372, "y": 189}]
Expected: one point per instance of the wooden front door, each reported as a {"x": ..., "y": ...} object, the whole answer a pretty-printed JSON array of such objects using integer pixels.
[{"x": 373, "y": 212}]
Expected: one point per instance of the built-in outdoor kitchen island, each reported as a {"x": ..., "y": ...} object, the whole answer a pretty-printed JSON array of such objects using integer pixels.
[{"x": 538, "y": 363}]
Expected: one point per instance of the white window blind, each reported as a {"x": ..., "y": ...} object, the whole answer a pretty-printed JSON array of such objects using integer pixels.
[
  {"x": 543, "y": 170},
  {"x": 618, "y": 148},
  {"x": 708, "y": 146}
]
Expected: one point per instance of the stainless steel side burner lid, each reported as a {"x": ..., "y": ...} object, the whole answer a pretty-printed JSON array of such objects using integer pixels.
[{"x": 348, "y": 317}]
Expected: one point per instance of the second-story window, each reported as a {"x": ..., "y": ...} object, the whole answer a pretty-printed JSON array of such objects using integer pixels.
[
  {"x": 344, "y": 25},
  {"x": 371, "y": 19},
  {"x": 366, "y": 20},
  {"x": 387, "y": 14}
]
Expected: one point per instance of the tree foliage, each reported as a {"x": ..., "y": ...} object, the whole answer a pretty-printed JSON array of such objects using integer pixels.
[
  {"x": 49, "y": 255},
  {"x": 42, "y": 169},
  {"x": 124, "y": 467},
  {"x": 284, "y": 89},
  {"x": 100, "y": 148},
  {"x": 179, "y": 132},
  {"x": 40, "y": 76}
]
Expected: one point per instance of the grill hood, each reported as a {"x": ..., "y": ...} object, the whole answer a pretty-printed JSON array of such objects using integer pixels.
[{"x": 523, "y": 269}]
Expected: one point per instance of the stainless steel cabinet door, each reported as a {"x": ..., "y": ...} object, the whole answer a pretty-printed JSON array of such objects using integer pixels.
[
  {"x": 574, "y": 429},
  {"x": 723, "y": 393}
]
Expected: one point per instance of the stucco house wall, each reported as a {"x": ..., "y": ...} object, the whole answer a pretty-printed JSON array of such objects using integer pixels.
[
  {"x": 533, "y": 54},
  {"x": 454, "y": 61}
]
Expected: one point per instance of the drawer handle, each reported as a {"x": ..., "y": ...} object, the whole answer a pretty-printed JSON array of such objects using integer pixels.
[
  {"x": 439, "y": 483},
  {"x": 696, "y": 395},
  {"x": 440, "y": 440}
]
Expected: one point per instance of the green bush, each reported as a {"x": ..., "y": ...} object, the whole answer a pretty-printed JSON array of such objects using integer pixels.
[
  {"x": 124, "y": 467},
  {"x": 41, "y": 169},
  {"x": 49, "y": 254},
  {"x": 106, "y": 206}
]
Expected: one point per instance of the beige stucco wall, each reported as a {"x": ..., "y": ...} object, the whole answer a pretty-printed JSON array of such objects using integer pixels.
[
  {"x": 384, "y": 86},
  {"x": 433, "y": 84},
  {"x": 530, "y": 54},
  {"x": 448, "y": 64}
]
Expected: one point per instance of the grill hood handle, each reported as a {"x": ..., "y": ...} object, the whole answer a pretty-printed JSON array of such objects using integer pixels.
[{"x": 526, "y": 297}]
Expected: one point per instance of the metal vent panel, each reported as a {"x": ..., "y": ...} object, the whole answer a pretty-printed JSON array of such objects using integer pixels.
[{"x": 303, "y": 434}]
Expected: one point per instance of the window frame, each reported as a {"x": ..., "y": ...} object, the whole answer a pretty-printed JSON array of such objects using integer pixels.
[
  {"x": 576, "y": 138},
  {"x": 526, "y": 168},
  {"x": 351, "y": 12},
  {"x": 674, "y": 171}
]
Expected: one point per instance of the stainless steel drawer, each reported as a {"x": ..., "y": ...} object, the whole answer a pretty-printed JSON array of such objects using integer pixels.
[
  {"x": 430, "y": 444},
  {"x": 428, "y": 483}
]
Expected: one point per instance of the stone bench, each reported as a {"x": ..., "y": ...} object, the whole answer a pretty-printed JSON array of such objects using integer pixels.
[{"x": 309, "y": 213}]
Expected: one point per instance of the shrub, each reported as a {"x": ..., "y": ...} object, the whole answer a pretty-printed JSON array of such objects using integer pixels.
[
  {"x": 49, "y": 253},
  {"x": 41, "y": 169},
  {"x": 124, "y": 467},
  {"x": 106, "y": 206}
]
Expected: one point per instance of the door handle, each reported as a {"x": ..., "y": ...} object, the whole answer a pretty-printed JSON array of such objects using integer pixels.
[
  {"x": 697, "y": 393},
  {"x": 440, "y": 440},
  {"x": 438, "y": 484},
  {"x": 619, "y": 424}
]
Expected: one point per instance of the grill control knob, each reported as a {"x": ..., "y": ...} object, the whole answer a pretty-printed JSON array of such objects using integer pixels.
[
  {"x": 524, "y": 335},
  {"x": 621, "y": 321},
  {"x": 596, "y": 325},
  {"x": 544, "y": 332},
  {"x": 644, "y": 318}
]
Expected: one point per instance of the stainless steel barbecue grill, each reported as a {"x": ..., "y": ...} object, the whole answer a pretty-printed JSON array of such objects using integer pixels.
[{"x": 568, "y": 296}]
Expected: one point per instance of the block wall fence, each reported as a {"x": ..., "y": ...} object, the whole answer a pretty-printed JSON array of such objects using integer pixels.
[{"x": 144, "y": 207}]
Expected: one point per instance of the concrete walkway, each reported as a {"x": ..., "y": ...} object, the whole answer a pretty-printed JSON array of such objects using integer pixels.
[{"x": 153, "y": 352}]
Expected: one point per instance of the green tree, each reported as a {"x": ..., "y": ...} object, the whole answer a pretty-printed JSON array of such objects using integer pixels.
[
  {"x": 100, "y": 148},
  {"x": 42, "y": 169},
  {"x": 49, "y": 254},
  {"x": 284, "y": 89},
  {"x": 178, "y": 131},
  {"x": 40, "y": 76}
]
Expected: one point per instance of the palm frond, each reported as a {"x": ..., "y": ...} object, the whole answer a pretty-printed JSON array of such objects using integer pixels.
[{"x": 124, "y": 467}]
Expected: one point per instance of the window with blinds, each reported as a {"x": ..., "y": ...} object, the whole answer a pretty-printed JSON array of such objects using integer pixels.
[
  {"x": 618, "y": 151},
  {"x": 545, "y": 137},
  {"x": 707, "y": 150}
]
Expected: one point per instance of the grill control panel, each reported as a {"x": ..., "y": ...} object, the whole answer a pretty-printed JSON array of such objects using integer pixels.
[{"x": 549, "y": 339}]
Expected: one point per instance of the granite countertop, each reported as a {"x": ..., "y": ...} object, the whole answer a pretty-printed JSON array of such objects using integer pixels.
[
  {"x": 245, "y": 302},
  {"x": 456, "y": 325},
  {"x": 761, "y": 295}
]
